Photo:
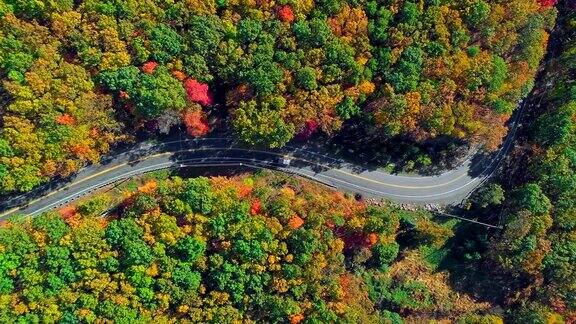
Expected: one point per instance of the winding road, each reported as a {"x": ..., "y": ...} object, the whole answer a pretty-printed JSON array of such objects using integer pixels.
[{"x": 449, "y": 188}]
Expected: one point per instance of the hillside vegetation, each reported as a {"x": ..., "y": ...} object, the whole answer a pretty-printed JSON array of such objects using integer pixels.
[
  {"x": 534, "y": 257},
  {"x": 261, "y": 247},
  {"x": 78, "y": 76}
]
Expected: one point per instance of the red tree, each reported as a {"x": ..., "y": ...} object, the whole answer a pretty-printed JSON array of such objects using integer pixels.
[
  {"x": 286, "y": 14},
  {"x": 547, "y": 3},
  {"x": 198, "y": 92},
  {"x": 309, "y": 128},
  {"x": 149, "y": 67},
  {"x": 195, "y": 122},
  {"x": 255, "y": 207}
]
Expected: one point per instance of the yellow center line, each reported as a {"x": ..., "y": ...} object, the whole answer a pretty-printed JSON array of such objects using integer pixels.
[
  {"x": 64, "y": 188},
  {"x": 237, "y": 149}
]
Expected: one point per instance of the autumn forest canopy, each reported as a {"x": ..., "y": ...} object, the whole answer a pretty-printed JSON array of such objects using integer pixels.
[
  {"x": 260, "y": 248},
  {"x": 80, "y": 76}
]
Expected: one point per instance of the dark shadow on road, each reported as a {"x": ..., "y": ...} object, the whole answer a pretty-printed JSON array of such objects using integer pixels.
[
  {"x": 396, "y": 154},
  {"x": 481, "y": 163}
]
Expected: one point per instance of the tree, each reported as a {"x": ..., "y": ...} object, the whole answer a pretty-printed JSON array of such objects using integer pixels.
[
  {"x": 158, "y": 92},
  {"x": 204, "y": 34},
  {"x": 347, "y": 108},
  {"x": 186, "y": 278},
  {"x": 286, "y": 14},
  {"x": 531, "y": 197},
  {"x": 195, "y": 122},
  {"x": 189, "y": 249},
  {"x": 262, "y": 124},
  {"x": 477, "y": 13},
  {"x": 165, "y": 43},
  {"x": 51, "y": 224},
  {"x": 306, "y": 78},
  {"x": 555, "y": 128},
  {"x": 248, "y": 30},
  {"x": 198, "y": 195},
  {"x": 197, "y": 68},
  {"x": 123, "y": 79},
  {"x": 384, "y": 254},
  {"x": 198, "y": 92},
  {"x": 489, "y": 195}
]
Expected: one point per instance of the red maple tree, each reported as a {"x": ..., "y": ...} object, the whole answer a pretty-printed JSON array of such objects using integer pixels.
[
  {"x": 286, "y": 14},
  {"x": 149, "y": 67},
  {"x": 198, "y": 92},
  {"x": 255, "y": 207},
  {"x": 195, "y": 122},
  {"x": 547, "y": 3},
  {"x": 310, "y": 127}
]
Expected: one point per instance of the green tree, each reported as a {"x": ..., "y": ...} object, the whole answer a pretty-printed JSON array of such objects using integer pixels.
[
  {"x": 555, "y": 128},
  {"x": 491, "y": 194},
  {"x": 186, "y": 278},
  {"x": 165, "y": 43},
  {"x": 248, "y": 30},
  {"x": 204, "y": 34},
  {"x": 262, "y": 123},
  {"x": 532, "y": 198},
  {"x": 477, "y": 13},
  {"x": 158, "y": 92},
  {"x": 198, "y": 195},
  {"x": 347, "y": 108},
  {"x": 190, "y": 248},
  {"x": 306, "y": 78}
]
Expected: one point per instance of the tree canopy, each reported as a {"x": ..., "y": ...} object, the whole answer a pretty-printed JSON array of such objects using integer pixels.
[{"x": 79, "y": 76}]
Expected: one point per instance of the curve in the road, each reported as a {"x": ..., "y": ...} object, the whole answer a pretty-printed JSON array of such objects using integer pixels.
[{"x": 447, "y": 188}]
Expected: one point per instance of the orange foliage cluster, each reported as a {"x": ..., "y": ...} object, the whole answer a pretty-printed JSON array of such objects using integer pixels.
[
  {"x": 179, "y": 75},
  {"x": 295, "y": 222},
  {"x": 295, "y": 319},
  {"x": 67, "y": 211},
  {"x": 80, "y": 150},
  {"x": 149, "y": 67},
  {"x": 285, "y": 14},
  {"x": 195, "y": 122},
  {"x": 371, "y": 239},
  {"x": 149, "y": 187},
  {"x": 244, "y": 191},
  {"x": 66, "y": 119}
]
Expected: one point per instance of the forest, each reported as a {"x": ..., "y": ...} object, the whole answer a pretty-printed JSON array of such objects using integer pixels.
[
  {"x": 534, "y": 256},
  {"x": 253, "y": 248},
  {"x": 78, "y": 77}
]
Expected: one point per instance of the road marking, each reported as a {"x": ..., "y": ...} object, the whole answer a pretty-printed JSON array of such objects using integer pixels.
[
  {"x": 245, "y": 150},
  {"x": 9, "y": 211},
  {"x": 64, "y": 188},
  {"x": 318, "y": 164}
]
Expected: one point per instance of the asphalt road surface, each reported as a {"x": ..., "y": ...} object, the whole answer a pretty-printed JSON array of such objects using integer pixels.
[{"x": 449, "y": 188}]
